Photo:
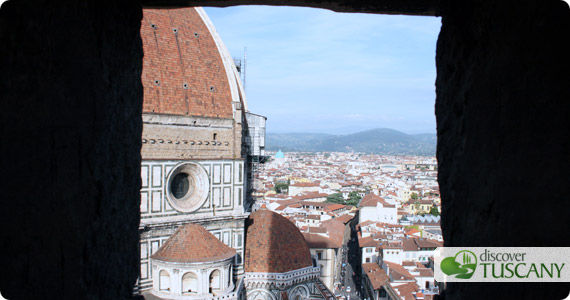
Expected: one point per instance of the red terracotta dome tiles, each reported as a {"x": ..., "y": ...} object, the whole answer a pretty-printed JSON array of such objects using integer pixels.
[
  {"x": 274, "y": 244},
  {"x": 183, "y": 71},
  {"x": 192, "y": 243}
]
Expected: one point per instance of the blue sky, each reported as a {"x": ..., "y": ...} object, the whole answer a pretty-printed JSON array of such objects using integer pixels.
[{"x": 314, "y": 70}]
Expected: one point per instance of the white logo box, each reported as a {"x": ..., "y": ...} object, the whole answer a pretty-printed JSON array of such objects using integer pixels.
[{"x": 503, "y": 264}]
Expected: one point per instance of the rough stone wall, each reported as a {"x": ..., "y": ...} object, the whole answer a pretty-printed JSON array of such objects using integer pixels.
[
  {"x": 70, "y": 132},
  {"x": 503, "y": 122}
]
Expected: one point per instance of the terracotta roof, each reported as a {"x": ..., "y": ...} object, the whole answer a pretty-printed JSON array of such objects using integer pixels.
[
  {"x": 372, "y": 199},
  {"x": 319, "y": 241},
  {"x": 282, "y": 196},
  {"x": 274, "y": 244},
  {"x": 392, "y": 246},
  {"x": 286, "y": 201},
  {"x": 345, "y": 218},
  {"x": 412, "y": 231},
  {"x": 309, "y": 195},
  {"x": 336, "y": 206},
  {"x": 316, "y": 204},
  {"x": 425, "y": 272},
  {"x": 280, "y": 207},
  {"x": 335, "y": 229},
  {"x": 376, "y": 275},
  {"x": 192, "y": 243},
  {"x": 367, "y": 242},
  {"x": 305, "y": 184},
  {"x": 408, "y": 264},
  {"x": 409, "y": 245},
  {"x": 366, "y": 223},
  {"x": 398, "y": 272},
  {"x": 427, "y": 243},
  {"x": 393, "y": 225},
  {"x": 406, "y": 291},
  {"x": 313, "y": 229}
]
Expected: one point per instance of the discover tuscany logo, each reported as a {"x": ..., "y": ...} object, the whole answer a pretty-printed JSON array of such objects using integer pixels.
[
  {"x": 502, "y": 264},
  {"x": 462, "y": 265}
]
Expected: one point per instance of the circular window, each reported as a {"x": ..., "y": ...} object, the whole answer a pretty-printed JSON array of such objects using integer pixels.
[
  {"x": 180, "y": 185},
  {"x": 187, "y": 187}
]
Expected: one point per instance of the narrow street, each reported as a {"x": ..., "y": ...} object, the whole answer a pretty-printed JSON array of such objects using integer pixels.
[{"x": 350, "y": 272}]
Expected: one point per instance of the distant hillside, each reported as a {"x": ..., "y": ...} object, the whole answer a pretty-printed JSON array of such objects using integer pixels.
[
  {"x": 426, "y": 137},
  {"x": 293, "y": 141},
  {"x": 379, "y": 141}
]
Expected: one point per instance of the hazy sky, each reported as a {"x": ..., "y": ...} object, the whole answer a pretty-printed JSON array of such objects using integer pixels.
[{"x": 313, "y": 70}]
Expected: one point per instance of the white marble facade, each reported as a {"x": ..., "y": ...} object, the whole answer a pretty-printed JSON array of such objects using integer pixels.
[
  {"x": 226, "y": 195},
  {"x": 294, "y": 285},
  {"x": 193, "y": 281},
  {"x": 222, "y": 212}
]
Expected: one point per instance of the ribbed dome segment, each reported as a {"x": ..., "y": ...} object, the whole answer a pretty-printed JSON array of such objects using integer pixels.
[
  {"x": 274, "y": 244},
  {"x": 192, "y": 243},
  {"x": 183, "y": 69}
]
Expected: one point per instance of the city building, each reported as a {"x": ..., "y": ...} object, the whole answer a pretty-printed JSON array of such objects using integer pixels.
[
  {"x": 375, "y": 208},
  {"x": 198, "y": 154}
]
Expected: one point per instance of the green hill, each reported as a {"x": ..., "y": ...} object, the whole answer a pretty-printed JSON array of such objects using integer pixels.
[{"x": 379, "y": 141}]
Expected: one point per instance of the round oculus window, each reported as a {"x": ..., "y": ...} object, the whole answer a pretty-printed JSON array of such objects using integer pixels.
[
  {"x": 187, "y": 187},
  {"x": 180, "y": 185}
]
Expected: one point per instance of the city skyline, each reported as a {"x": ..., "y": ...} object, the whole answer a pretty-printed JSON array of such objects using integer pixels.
[{"x": 314, "y": 70}]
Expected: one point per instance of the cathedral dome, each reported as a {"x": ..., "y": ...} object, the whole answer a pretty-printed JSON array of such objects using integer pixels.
[
  {"x": 192, "y": 243},
  {"x": 187, "y": 70},
  {"x": 279, "y": 154},
  {"x": 274, "y": 244}
]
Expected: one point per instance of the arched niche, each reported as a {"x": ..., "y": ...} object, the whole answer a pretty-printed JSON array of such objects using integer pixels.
[
  {"x": 164, "y": 281},
  {"x": 215, "y": 282},
  {"x": 189, "y": 284}
]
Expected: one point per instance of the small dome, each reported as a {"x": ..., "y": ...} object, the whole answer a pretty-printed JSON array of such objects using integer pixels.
[
  {"x": 192, "y": 243},
  {"x": 279, "y": 154},
  {"x": 274, "y": 244}
]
